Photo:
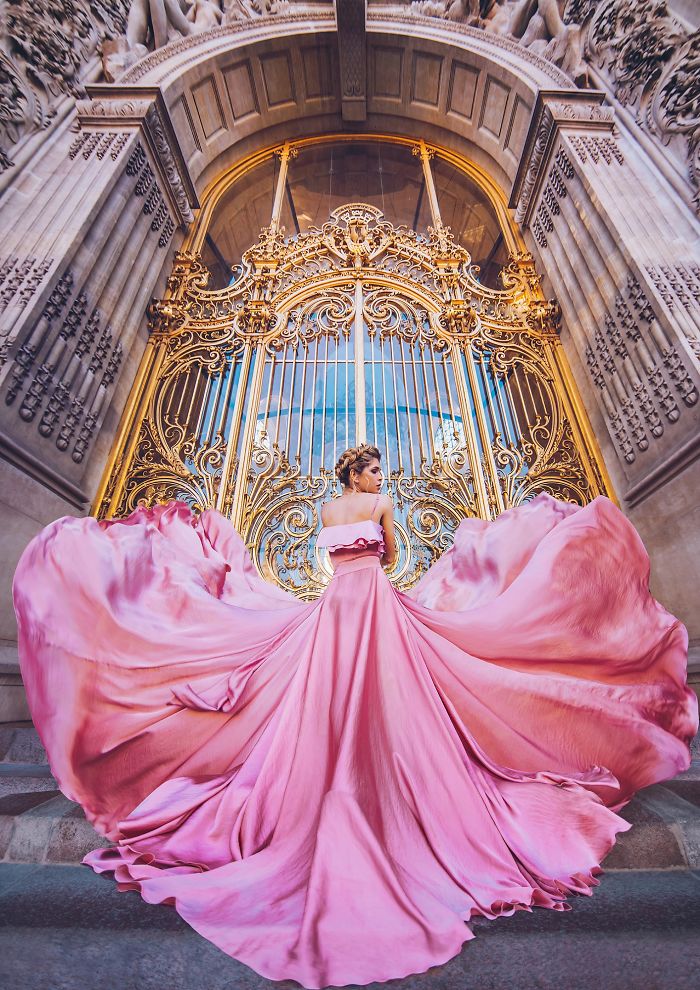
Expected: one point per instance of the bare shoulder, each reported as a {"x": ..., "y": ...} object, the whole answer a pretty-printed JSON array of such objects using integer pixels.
[
  {"x": 386, "y": 504},
  {"x": 333, "y": 511}
]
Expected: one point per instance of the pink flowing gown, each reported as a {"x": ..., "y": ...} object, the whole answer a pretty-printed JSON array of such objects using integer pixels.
[{"x": 329, "y": 791}]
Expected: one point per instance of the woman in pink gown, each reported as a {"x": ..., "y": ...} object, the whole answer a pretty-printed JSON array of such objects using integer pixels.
[{"x": 329, "y": 791}]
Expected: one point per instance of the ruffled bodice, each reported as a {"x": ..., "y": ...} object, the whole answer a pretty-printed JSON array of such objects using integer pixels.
[{"x": 353, "y": 536}]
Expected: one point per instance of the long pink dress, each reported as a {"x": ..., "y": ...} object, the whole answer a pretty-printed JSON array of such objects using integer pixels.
[{"x": 329, "y": 791}]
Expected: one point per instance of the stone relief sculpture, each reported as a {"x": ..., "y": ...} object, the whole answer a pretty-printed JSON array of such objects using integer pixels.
[
  {"x": 536, "y": 24},
  {"x": 636, "y": 49},
  {"x": 205, "y": 14},
  {"x": 650, "y": 63},
  {"x": 157, "y": 22},
  {"x": 152, "y": 24},
  {"x": 467, "y": 11},
  {"x": 539, "y": 25},
  {"x": 48, "y": 46},
  {"x": 241, "y": 10}
]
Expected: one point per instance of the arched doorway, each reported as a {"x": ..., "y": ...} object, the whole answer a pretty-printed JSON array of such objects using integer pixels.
[{"x": 359, "y": 328}]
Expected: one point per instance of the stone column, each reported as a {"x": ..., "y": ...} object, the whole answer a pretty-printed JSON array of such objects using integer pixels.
[
  {"x": 92, "y": 227},
  {"x": 620, "y": 248}
]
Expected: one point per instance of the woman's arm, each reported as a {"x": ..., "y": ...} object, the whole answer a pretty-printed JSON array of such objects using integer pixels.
[{"x": 387, "y": 520}]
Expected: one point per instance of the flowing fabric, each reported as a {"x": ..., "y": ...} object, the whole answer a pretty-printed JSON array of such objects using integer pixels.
[{"x": 329, "y": 791}]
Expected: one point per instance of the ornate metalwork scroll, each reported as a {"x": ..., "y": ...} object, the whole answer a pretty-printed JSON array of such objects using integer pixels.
[{"x": 357, "y": 330}]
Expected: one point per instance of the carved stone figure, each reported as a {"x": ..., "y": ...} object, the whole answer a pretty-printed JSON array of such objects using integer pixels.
[
  {"x": 536, "y": 24},
  {"x": 539, "y": 25},
  {"x": 205, "y": 14},
  {"x": 153, "y": 23},
  {"x": 244, "y": 10},
  {"x": 466, "y": 11}
]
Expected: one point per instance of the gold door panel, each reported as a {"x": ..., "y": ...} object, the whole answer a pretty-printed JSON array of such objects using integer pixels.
[{"x": 353, "y": 331}]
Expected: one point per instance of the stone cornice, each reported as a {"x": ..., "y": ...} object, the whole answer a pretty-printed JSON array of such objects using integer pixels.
[
  {"x": 310, "y": 20},
  {"x": 386, "y": 19},
  {"x": 143, "y": 107}
]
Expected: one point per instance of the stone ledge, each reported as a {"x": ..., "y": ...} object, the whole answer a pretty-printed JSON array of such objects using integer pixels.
[
  {"x": 45, "y": 827},
  {"x": 9, "y": 658},
  {"x": 20, "y": 743}
]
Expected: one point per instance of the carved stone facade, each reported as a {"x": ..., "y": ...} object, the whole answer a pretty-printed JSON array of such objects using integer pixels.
[
  {"x": 583, "y": 194},
  {"x": 640, "y": 373},
  {"x": 48, "y": 49},
  {"x": 107, "y": 178},
  {"x": 645, "y": 58}
]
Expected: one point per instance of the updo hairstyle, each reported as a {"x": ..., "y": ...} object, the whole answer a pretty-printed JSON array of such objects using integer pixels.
[{"x": 356, "y": 458}]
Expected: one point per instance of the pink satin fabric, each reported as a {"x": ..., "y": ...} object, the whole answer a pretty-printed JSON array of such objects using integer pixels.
[
  {"x": 329, "y": 791},
  {"x": 351, "y": 536}
]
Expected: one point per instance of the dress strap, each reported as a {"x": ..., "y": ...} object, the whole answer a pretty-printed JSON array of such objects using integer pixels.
[{"x": 376, "y": 502}]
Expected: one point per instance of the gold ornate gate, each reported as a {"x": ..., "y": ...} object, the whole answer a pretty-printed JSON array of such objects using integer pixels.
[{"x": 354, "y": 331}]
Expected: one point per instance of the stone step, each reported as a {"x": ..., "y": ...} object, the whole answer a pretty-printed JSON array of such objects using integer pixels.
[
  {"x": 23, "y": 762},
  {"x": 45, "y": 827},
  {"x": 20, "y": 743},
  {"x": 665, "y": 832},
  {"x": 66, "y": 928},
  {"x": 17, "y": 778},
  {"x": 39, "y": 825}
]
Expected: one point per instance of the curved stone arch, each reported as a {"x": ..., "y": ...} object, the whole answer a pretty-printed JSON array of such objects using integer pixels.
[
  {"x": 226, "y": 180},
  {"x": 155, "y": 67},
  {"x": 233, "y": 89}
]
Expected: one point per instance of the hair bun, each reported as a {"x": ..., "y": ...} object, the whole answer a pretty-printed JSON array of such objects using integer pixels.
[{"x": 355, "y": 457}]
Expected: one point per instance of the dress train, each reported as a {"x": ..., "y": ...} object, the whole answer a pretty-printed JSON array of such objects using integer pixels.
[{"x": 329, "y": 791}]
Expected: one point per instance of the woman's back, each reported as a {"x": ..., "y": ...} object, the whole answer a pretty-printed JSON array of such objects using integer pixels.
[
  {"x": 351, "y": 526},
  {"x": 351, "y": 508}
]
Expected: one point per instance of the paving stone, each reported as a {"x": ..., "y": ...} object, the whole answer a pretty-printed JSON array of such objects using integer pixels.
[
  {"x": 71, "y": 839},
  {"x": 32, "y": 831},
  {"x": 689, "y": 790},
  {"x": 682, "y": 818},
  {"x": 65, "y": 928},
  {"x": 13, "y": 806}
]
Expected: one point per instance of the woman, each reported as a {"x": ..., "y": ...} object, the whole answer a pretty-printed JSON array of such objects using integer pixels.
[{"x": 330, "y": 790}]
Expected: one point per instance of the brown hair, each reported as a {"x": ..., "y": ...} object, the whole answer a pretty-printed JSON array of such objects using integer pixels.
[{"x": 357, "y": 458}]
